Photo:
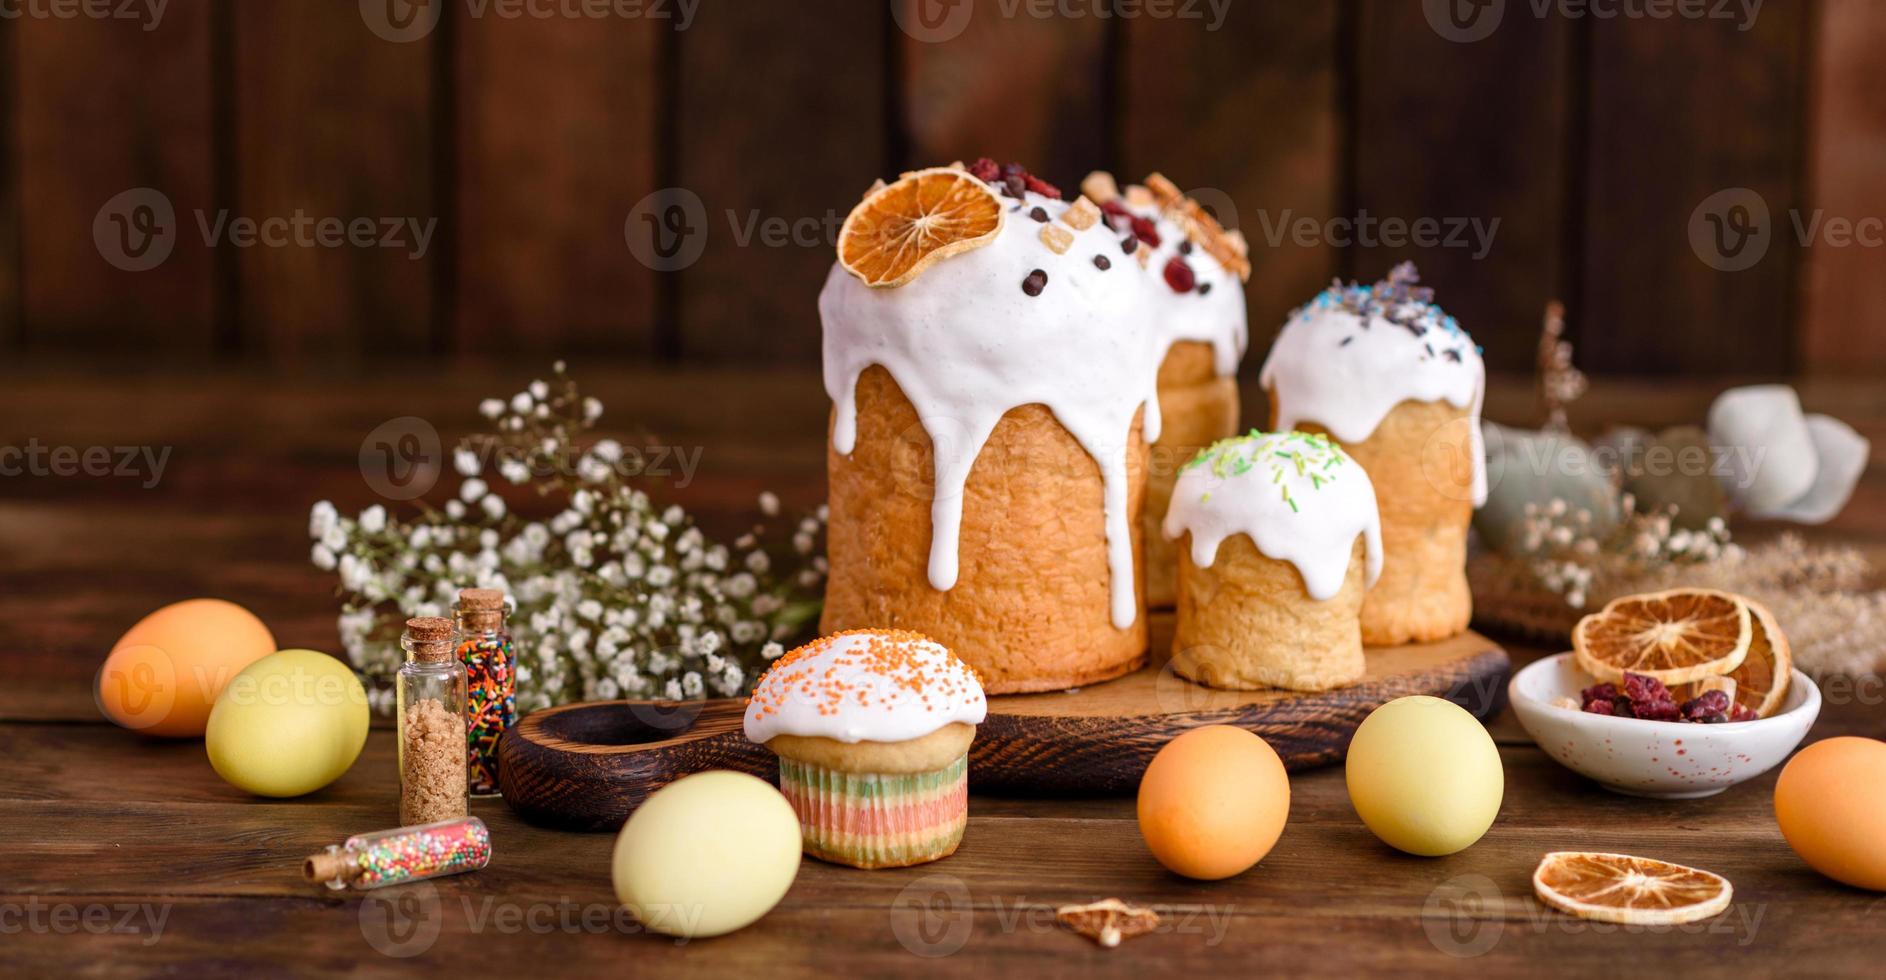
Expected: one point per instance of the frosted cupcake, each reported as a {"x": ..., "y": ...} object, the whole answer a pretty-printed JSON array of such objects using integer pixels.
[
  {"x": 1279, "y": 540},
  {"x": 872, "y": 729},
  {"x": 1392, "y": 377}
]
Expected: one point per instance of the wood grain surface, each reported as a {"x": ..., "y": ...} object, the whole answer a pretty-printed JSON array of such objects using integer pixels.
[{"x": 92, "y": 817}]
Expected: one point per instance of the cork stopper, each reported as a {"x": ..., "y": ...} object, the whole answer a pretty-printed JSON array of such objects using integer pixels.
[
  {"x": 481, "y": 610},
  {"x": 429, "y": 638},
  {"x": 329, "y": 866}
]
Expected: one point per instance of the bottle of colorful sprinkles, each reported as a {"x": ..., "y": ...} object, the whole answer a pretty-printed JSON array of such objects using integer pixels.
[
  {"x": 392, "y": 857},
  {"x": 491, "y": 706}
]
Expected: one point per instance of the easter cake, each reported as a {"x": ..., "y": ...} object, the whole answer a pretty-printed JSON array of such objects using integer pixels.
[
  {"x": 872, "y": 729},
  {"x": 1395, "y": 380},
  {"x": 992, "y": 351},
  {"x": 1279, "y": 542}
]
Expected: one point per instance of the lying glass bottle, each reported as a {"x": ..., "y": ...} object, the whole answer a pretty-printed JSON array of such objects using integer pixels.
[{"x": 394, "y": 857}]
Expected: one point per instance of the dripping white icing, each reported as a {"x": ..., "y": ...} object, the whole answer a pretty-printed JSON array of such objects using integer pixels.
[
  {"x": 1346, "y": 371},
  {"x": 1299, "y": 498},
  {"x": 967, "y": 345}
]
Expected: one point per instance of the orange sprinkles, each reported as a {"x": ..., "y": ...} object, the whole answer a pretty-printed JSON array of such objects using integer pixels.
[{"x": 905, "y": 659}]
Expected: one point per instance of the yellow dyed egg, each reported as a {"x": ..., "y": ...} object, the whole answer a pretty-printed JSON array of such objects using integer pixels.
[
  {"x": 1213, "y": 802},
  {"x": 289, "y": 724},
  {"x": 1425, "y": 776},
  {"x": 1831, "y": 804},
  {"x": 163, "y": 676},
  {"x": 707, "y": 854}
]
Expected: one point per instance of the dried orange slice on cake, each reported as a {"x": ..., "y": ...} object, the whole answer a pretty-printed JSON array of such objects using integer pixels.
[
  {"x": 1676, "y": 637},
  {"x": 1629, "y": 890},
  {"x": 901, "y": 229},
  {"x": 1760, "y": 682}
]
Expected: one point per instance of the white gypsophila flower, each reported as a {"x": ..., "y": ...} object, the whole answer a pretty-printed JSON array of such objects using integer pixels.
[
  {"x": 592, "y": 409},
  {"x": 605, "y": 689},
  {"x": 323, "y": 558},
  {"x": 593, "y": 470},
  {"x": 455, "y": 510},
  {"x": 322, "y": 518},
  {"x": 373, "y": 519},
  {"x": 772, "y": 651},
  {"x": 672, "y": 690},
  {"x": 758, "y": 562},
  {"x": 471, "y": 490},
  {"x": 661, "y": 576},
  {"x": 583, "y": 502},
  {"x": 607, "y": 450},
  {"x": 520, "y": 402},
  {"x": 769, "y": 504},
  {"x": 589, "y": 609},
  {"x": 691, "y": 684},
  {"x": 420, "y": 537},
  {"x": 465, "y": 462},
  {"x": 539, "y": 390},
  {"x": 541, "y": 412},
  {"x": 335, "y": 539},
  {"x": 514, "y": 471},
  {"x": 491, "y": 408},
  {"x": 565, "y": 522},
  {"x": 493, "y": 506}
]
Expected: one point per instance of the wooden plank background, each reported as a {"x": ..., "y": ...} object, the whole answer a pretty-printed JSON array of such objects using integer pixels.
[{"x": 528, "y": 143}]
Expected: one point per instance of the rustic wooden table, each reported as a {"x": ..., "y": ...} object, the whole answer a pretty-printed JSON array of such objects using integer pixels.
[{"x": 121, "y": 855}]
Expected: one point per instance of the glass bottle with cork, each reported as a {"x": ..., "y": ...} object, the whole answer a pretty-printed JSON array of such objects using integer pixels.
[
  {"x": 431, "y": 690},
  {"x": 394, "y": 857},
  {"x": 490, "y": 663}
]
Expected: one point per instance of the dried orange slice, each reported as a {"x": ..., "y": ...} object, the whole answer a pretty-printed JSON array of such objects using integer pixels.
[
  {"x": 1629, "y": 890},
  {"x": 1760, "y": 682},
  {"x": 1678, "y": 636},
  {"x": 901, "y": 229}
]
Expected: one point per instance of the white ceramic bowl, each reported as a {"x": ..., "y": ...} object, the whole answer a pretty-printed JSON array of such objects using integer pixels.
[{"x": 1663, "y": 759}]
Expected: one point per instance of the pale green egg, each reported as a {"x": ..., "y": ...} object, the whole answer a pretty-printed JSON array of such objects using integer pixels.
[
  {"x": 1425, "y": 776},
  {"x": 288, "y": 724}
]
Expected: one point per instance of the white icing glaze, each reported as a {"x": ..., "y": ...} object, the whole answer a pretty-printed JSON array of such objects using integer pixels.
[
  {"x": 1299, "y": 498},
  {"x": 865, "y": 685},
  {"x": 1346, "y": 372},
  {"x": 1217, "y": 317}
]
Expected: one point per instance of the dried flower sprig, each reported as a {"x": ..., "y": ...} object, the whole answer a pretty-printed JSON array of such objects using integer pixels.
[
  {"x": 1565, "y": 551},
  {"x": 614, "y": 596}
]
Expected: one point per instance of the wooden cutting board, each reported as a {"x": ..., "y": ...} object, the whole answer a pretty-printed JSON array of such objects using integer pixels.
[{"x": 587, "y": 766}]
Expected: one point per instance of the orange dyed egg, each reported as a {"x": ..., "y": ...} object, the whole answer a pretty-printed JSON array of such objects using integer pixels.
[
  {"x": 1213, "y": 802},
  {"x": 1831, "y": 804},
  {"x": 163, "y": 676}
]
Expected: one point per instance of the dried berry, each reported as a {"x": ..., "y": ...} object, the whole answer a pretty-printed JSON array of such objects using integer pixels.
[
  {"x": 1637, "y": 687},
  {"x": 1129, "y": 245},
  {"x": 1657, "y": 710},
  {"x": 1706, "y": 704},
  {"x": 1622, "y": 708},
  {"x": 1598, "y": 706},
  {"x": 1599, "y": 691},
  {"x": 1042, "y": 187},
  {"x": 1035, "y": 283},
  {"x": 1038, "y": 214},
  {"x": 1115, "y": 208},
  {"x": 1143, "y": 229},
  {"x": 1185, "y": 247},
  {"x": 986, "y": 170},
  {"x": 1102, "y": 263},
  {"x": 1179, "y": 275},
  {"x": 1014, "y": 186},
  {"x": 1014, "y": 170},
  {"x": 1742, "y": 712}
]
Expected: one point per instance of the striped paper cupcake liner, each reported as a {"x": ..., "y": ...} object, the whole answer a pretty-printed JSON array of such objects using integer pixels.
[{"x": 870, "y": 820}]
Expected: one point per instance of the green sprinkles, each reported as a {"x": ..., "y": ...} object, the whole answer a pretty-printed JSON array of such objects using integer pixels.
[{"x": 1309, "y": 455}]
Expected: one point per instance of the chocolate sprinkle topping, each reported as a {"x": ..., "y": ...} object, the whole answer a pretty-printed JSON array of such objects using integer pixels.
[
  {"x": 1204, "y": 288},
  {"x": 1102, "y": 263},
  {"x": 1185, "y": 247},
  {"x": 1035, "y": 283},
  {"x": 1039, "y": 215},
  {"x": 1129, "y": 245}
]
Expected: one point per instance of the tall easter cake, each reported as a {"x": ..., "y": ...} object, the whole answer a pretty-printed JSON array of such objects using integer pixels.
[
  {"x": 1280, "y": 540},
  {"x": 1399, "y": 384},
  {"x": 992, "y": 352}
]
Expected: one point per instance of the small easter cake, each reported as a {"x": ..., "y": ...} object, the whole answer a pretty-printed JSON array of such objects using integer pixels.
[
  {"x": 1282, "y": 541},
  {"x": 872, "y": 729},
  {"x": 1393, "y": 378}
]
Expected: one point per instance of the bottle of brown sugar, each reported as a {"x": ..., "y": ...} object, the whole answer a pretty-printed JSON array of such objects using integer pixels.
[{"x": 431, "y": 690}]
